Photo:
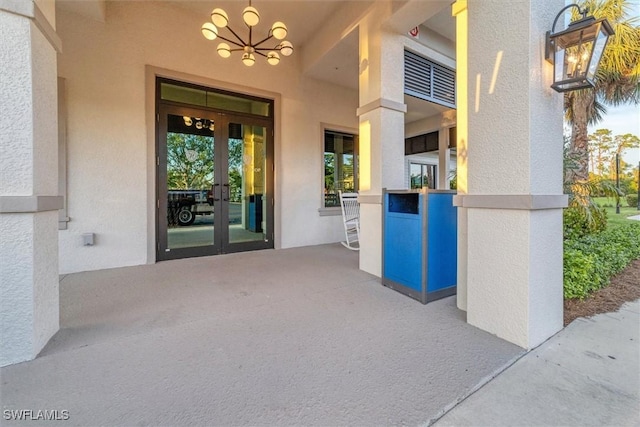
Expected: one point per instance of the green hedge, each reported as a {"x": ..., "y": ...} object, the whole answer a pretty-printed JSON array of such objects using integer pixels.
[
  {"x": 579, "y": 221},
  {"x": 590, "y": 261},
  {"x": 632, "y": 200}
]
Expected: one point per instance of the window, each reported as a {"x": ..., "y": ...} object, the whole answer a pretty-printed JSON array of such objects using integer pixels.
[
  {"x": 421, "y": 143},
  {"x": 423, "y": 175},
  {"x": 202, "y": 97},
  {"x": 340, "y": 165}
]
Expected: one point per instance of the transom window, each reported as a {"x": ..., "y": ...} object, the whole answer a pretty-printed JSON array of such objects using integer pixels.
[{"x": 202, "y": 97}]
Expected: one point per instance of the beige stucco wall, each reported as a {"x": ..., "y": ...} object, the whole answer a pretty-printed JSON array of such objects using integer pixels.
[
  {"x": 48, "y": 9},
  {"x": 104, "y": 67}
]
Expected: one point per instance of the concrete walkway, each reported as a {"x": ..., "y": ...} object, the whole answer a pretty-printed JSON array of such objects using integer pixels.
[
  {"x": 586, "y": 375},
  {"x": 302, "y": 337},
  {"x": 289, "y": 337},
  {"x": 636, "y": 217}
]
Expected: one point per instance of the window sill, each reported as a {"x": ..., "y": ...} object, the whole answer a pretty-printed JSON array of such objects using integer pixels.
[{"x": 333, "y": 211}]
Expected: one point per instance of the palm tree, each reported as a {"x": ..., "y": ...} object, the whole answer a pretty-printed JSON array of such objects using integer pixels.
[{"x": 617, "y": 81}]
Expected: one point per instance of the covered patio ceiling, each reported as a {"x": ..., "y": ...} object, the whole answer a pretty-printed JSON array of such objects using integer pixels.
[{"x": 305, "y": 19}]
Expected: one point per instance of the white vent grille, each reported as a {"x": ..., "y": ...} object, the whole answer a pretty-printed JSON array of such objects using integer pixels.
[{"x": 427, "y": 80}]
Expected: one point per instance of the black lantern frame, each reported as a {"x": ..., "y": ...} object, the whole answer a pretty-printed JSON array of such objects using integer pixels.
[{"x": 576, "y": 51}]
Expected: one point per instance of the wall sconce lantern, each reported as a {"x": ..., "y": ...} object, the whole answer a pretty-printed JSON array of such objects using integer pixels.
[{"x": 576, "y": 52}]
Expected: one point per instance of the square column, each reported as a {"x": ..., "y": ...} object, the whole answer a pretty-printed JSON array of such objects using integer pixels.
[
  {"x": 381, "y": 139},
  {"x": 29, "y": 307},
  {"x": 447, "y": 120},
  {"x": 510, "y": 172}
]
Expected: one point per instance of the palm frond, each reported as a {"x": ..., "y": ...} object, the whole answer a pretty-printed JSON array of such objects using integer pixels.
[{"x": 596, "y": 111}]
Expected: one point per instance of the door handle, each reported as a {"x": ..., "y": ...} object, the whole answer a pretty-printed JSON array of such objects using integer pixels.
[
  {"x": 226, "y": 192},
  {"x": 214, "y": 192}
]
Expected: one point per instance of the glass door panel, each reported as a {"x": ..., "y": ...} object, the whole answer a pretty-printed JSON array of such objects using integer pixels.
[
  {"x": 186, "y": 187},
  {"x": 247, "y": 166},
  {"x": 215, "y": 192}
]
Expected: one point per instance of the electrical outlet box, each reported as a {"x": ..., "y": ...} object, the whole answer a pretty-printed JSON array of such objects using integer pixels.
[{"x": 88, "y": 239}]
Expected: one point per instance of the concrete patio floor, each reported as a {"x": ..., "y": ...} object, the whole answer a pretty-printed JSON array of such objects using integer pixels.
[{"x": 289, "y": 337}]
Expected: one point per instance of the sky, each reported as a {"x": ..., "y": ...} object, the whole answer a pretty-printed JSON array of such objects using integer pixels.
[{"x": 622, "y": 120}]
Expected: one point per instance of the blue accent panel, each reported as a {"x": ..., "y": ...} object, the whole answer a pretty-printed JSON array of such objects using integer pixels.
[
  {"x": 442, "y": 242},
  {"x": 403, "y": 245}
]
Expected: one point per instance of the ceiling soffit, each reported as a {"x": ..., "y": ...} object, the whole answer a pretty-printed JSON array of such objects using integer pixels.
[{"x": 306, "y": 20}]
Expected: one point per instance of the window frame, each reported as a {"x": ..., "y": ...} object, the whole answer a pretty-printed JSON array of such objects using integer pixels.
[
  {"x": 324, "y": 127},
  {"x": 423, "y": 165}
]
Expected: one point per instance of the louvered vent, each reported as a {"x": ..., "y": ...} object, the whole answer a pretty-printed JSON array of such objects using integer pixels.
[{"x": 427, "y": 80}]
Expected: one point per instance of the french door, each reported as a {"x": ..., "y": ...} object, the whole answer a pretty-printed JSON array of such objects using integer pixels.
[{"x": 215, "y": 183}]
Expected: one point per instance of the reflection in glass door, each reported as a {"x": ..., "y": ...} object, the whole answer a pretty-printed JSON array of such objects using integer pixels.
[
  {"x": 189, "y": 176},
  {"x": 215, "y": 186},
  {"x": 246, "y": 177}
]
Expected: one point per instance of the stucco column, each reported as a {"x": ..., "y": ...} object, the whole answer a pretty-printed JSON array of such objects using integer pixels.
[
  {"x": 511, "y": 154},
  {"x": 381, "y": 139},
  {"x": 447, "y": 120},
  {"x": 459, "y": 10},
  {"x": 28, "y": 180}
]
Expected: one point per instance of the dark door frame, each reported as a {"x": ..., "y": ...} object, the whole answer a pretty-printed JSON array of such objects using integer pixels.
[{"x": 221, "y": 134}]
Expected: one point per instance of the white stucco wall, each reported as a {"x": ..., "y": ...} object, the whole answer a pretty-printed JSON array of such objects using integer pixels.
[
  {"x": 45, "y": 115},
  {"x": 514, "y": 256},
  {"x": 104, "y": 67},
  {"x": 16, "y": 172},
  {"x": 29, "y": 305},
  {"x": 16, "y": 319}
]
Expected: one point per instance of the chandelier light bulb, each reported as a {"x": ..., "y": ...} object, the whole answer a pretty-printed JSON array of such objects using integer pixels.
[
  {"x": 187, "y": 120},
  {"x": 286, "y": 48},
  {"x": 251, "y": 16},
  {"x": 273, "y": 58},
  {"x": 219, "y": 18},
  {"x": 224, "y": 50},
  {"x": 198, "y": 125},
  {"x": 209, "y": 31},
  {"x": 248, "y": 59},
  {"x": 279, "y": 30}
]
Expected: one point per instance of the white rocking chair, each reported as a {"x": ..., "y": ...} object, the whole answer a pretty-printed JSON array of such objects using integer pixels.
[{"x": 351, "y": 219}]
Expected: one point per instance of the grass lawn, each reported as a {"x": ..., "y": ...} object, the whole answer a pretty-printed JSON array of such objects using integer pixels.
[{"x": 614, "y": 219}]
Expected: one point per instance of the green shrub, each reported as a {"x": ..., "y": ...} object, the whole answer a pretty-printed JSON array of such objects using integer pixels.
[
  {"x": 632, "y": 200},
  {"x": 591, "y": 260},
  {"x": 579, "y": 270},
  {"x": 580, "y": 221},
  {"x": 453, "y": 180}
]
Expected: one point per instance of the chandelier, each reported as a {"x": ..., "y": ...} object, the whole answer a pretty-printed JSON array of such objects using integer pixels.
[{"x": 251, "y": 17}]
